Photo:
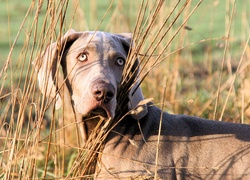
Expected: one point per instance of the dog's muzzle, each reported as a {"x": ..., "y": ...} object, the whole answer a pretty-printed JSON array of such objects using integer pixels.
[
  {"x": 102, "y": 91},
  {"x": 103, "y": 100}
]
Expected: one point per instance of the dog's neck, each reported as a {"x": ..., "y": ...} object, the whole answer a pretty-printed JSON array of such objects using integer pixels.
[
  {"x": 86, "y": 126},
  {"x": 90, "y": 125}
]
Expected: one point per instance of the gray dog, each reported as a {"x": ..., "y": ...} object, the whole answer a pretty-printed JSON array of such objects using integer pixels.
[{"x": 187, "y": 148}]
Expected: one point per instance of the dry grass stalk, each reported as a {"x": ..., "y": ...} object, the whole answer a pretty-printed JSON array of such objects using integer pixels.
[
  {"x": 92, "y": 148},
  {"x": 154, "y": 34}
]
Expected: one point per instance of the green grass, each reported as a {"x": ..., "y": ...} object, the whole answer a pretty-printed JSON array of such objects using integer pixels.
[
  {"x": 191, "y": 76},
  {"x": 208, "y": 21}
]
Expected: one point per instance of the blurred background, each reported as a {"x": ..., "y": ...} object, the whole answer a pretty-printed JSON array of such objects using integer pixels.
[{"x": 204, "y": 70}]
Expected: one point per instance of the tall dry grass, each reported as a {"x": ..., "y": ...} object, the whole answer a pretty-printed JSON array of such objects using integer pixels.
[{"x": 38, "y": 142}]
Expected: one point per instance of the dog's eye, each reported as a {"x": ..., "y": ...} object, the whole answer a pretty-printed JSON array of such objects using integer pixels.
[
  {"x": 82, "y": 57},
  {"x": 120, "y": 62}
]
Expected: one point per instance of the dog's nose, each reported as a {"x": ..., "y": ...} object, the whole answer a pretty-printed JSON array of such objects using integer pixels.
[{"x": 102, "y": 91}]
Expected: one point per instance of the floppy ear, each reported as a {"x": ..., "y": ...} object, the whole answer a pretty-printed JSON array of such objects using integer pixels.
[
  {"x": 47, "y": 63},
  {"x": 135, "y": 96}
]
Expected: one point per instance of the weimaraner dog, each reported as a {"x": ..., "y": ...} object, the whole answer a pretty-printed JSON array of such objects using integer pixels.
[{"x": 188, "y": 147}]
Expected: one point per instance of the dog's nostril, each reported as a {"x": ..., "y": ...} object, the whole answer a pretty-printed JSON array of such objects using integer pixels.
[
  {"x": 104, "y": 95},
  {"x": 103, "y": 91},
  {"x": 109, "y": 94},
  {"x": 98, "y": 93}
]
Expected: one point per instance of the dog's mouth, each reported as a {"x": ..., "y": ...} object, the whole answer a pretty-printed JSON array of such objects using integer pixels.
[{"x": 99, "y": 111}]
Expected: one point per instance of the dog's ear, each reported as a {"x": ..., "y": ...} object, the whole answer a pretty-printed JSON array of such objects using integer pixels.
[
  {"x": 47, "y": 65},
  {"x": 135, "y": 95}
]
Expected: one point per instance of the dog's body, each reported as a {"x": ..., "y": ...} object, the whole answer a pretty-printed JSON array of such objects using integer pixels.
[{"x": 187, "y": 148}]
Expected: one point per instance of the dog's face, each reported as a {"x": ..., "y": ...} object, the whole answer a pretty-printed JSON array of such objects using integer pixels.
[{"x": 93, "y": 66}]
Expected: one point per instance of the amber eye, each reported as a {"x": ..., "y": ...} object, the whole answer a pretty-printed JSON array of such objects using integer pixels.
[
  {"x": 120, "y": 62},
  {"x": 82, "y": 57}
]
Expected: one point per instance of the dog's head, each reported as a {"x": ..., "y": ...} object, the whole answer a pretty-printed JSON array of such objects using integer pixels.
[{"x": 92, "y": 65}]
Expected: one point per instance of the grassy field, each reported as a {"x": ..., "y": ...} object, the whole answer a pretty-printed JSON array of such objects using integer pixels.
[{"x": 205, "y": 70}]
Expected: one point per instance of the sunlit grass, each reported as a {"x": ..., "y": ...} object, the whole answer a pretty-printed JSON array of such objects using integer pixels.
[{"x": 38, "y": 142}]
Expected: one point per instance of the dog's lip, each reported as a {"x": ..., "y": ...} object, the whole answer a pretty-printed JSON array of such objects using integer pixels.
[{"x": 99, "y": 111}]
